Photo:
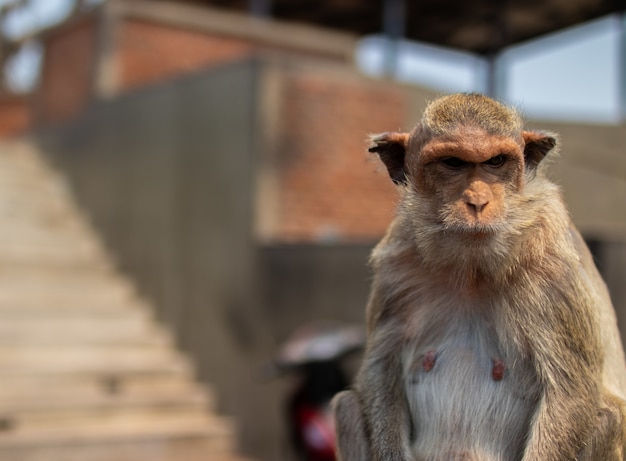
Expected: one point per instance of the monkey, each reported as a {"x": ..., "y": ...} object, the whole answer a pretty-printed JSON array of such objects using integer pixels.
[{"x": 490, "y": 333}]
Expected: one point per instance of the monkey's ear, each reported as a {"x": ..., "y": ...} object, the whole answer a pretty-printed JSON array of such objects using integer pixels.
[
  {"x": 391, "y": 148},
  {"x": 537, "y": 144}
]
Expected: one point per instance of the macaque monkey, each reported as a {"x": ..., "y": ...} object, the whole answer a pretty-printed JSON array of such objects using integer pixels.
[{"x": 491, "y": 336}]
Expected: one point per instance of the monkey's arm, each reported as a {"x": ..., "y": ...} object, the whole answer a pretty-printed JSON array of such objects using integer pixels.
[
  {"x": 352, "y": 442},
  {"x": 557, "y": 435},
  {"x": 607, "y": 442},
  {"x": 381, "y": 387},
  {"x": 559, "y": 431},
  {"x": 372, "y": 421},
  {"x": 609, "y": 439},
  {"x": 614, "y": 375},
  {"x": 567, "y": 356}
]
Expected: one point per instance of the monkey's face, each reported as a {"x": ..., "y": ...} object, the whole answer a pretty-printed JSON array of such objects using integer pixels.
[
  {"x": 462, "y": 192},
  {"x": 465, "y": 173},
  {"x": 467, "y": 179}
]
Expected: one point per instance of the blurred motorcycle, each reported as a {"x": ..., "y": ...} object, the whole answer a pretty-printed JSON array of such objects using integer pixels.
[{"x": 315, "y": 353}]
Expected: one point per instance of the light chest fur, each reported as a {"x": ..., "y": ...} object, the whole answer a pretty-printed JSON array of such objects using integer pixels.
[{"x": 467, "y": 389}]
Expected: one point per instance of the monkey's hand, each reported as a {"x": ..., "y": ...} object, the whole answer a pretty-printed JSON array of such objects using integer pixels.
[
  {"x": 560, "y": 429},
  {"x": 608, "y": 439}
]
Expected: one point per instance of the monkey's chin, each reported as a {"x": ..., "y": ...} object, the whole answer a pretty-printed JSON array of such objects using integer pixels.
[
  {"x": 476, "y": 233},
  {"x": 479, "y": 235}
]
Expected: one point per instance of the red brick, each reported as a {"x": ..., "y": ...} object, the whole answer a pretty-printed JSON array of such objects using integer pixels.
[
  {"x": 15, "y": 115},
  {"x": 150, "y": 52},
  {"x": 328, "y": 182},
  {"x": 67, "y": 71}
]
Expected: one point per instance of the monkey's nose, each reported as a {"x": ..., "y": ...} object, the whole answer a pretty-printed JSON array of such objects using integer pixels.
[
  {"x": 476, "y": 197},
  {"x": 477, "y": 206}
]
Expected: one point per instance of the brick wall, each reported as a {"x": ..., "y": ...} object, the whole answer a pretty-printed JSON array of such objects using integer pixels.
[
  {"x": 143, "y": 53},
  {"x": 130, "y": 46},
  {"x": 330, "y": 187},
  {"x": 67, "y": 72},
  {"x": 15, "y": 116},
  {"x": 149, "y": 52}
]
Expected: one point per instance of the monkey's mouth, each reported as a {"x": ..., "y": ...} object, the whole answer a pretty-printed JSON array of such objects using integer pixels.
[
  {"x": 477, "y": 237},
  {"x": 476, "y": 231},
  {"x": 470, "y": 227}
]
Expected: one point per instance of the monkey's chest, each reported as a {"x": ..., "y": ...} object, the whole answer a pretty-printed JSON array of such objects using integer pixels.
[{"x": 467, "y": 400}]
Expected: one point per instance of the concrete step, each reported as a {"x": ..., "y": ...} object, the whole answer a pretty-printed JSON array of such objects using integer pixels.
[
  {"x": 86, "y": 373},
  {"x": 25, "y": 182},
  {"x": 87, "y": 358},
  {"x": 174, "y": 442},
  {"x": 46, "y": 216},
  {"x": 40, "y": 207},
  {"x": 108, "y": 399},
  {"x": 84, "y": 385},
  {"x": 50, "y": 214},
  {"x": 104, "y": 412},
  {"x": 95, "y": 284},
  {"x": 125, "y": 325},
  {"x": 134, "y": 310},
  {"x": 105, "y": 419},
  {"x": 108, "y": 375},
  {"x": 36, "y": 203},
  {"x": 40, "y": 298},
  {"x": 50, "y": 255},
  {"x": 72, "y": 239},
  {"x": 26, "y": 277},
  {"x": 52, "y": 258},
  {"x": 79, "y": 332}
]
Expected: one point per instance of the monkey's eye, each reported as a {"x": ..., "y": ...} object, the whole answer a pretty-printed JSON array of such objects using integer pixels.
[
  {"x": 453, "y": 162},
  {"x": 496, "y": 161}
]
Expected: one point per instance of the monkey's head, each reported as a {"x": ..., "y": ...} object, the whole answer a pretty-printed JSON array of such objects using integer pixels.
[{"x": 465, "y": 166}]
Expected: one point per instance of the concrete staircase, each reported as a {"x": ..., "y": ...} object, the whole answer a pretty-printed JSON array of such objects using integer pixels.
[{"x": 85, "y": 373}]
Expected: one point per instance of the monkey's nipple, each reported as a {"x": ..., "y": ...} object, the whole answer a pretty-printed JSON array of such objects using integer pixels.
[
  {"x": 430, "y": 357},
  {"x": 497, "y": 370}
]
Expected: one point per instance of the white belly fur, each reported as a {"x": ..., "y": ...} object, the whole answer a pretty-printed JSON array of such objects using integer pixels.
[{"x": 460, "y": 408}]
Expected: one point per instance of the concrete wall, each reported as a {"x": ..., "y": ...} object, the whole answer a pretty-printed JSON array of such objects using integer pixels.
[
  {"x": 591, "y": 168},
  {"x": 305, "y": 283},
  {"x": 166, "y": 176}
]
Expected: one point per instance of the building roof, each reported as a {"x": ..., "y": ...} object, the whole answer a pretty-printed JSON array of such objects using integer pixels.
[{"x": 480, "y": 26}]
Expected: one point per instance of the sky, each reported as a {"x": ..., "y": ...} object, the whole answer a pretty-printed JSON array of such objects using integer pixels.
[
  {"x": 41, "y": 13},
  {"x": 574, "y": 74},
  {"x": 571, "y": 75}
]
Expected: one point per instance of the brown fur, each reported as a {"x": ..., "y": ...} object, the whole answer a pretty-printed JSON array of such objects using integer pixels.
[{"x": 491, "y": 336}]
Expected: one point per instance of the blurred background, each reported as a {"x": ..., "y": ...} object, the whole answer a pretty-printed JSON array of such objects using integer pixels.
[{"x": 184, "y": 186}]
